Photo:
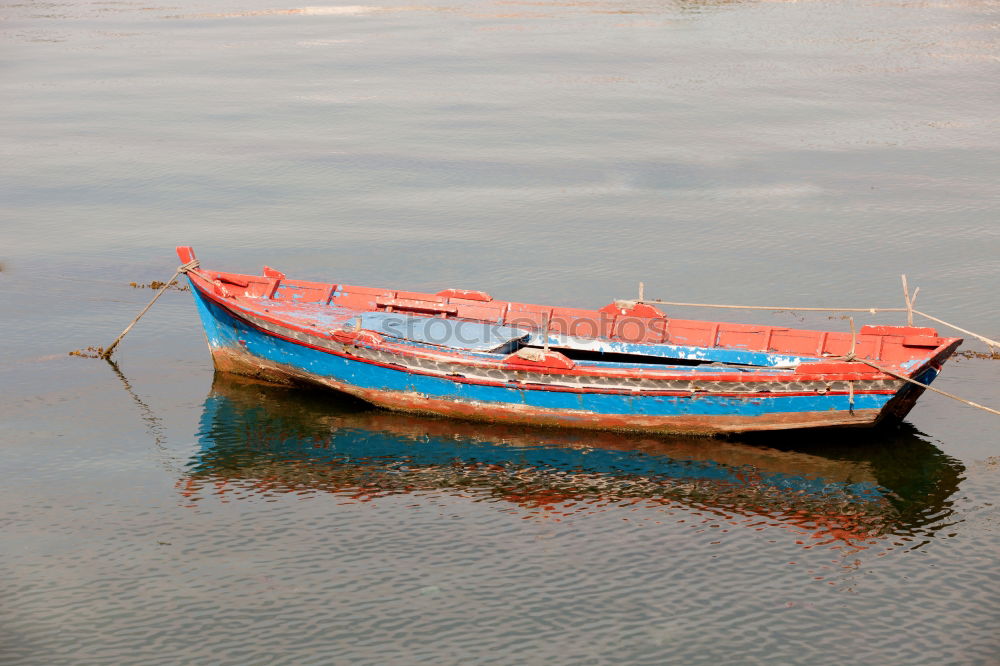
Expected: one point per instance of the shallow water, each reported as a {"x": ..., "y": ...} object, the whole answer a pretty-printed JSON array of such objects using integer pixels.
[{"x": 749, "y": 152}]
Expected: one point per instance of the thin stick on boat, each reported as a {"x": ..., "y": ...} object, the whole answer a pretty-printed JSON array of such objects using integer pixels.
[
  {"x": 908, "y": 301},
  {"x": 854, "y": 339}
]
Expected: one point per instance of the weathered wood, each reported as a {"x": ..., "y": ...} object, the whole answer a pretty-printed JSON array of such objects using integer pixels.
[
  {"x": 909, "y": 303},
  {"x": 613, "y": 368}
]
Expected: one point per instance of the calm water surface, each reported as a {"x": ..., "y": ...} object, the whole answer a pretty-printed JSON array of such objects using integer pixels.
[{"x": 764, "y": 152}]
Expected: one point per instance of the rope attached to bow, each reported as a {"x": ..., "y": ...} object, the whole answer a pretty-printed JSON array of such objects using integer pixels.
[{"x": 184, "y": 268}]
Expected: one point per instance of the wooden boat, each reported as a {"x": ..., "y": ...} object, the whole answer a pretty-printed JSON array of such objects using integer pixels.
[{"x": 626, "y": 366}]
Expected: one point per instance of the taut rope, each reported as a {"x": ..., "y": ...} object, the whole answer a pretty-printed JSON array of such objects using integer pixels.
[
  {"x": 914, "y": 381},
  {"x": 189, "y": 266}
]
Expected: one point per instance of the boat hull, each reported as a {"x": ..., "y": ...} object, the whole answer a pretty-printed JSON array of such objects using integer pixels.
[{"x": 240, "y": 347}]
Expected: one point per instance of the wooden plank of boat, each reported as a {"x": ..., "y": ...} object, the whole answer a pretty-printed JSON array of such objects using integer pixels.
[{"x": 627, "y": 366}]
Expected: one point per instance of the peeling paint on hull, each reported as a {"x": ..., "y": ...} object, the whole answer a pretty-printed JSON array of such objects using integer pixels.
[
  {"x": 238, "y": 348},
  {"x": 260, "y": 335},
  {"x": 240, "y": 362}
]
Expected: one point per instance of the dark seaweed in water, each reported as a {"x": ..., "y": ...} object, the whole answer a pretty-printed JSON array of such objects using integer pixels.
[
  {"x": 156, "y": 284},
  {"x": 88, "y": 352},
  {"x": 968, "y": 353}
]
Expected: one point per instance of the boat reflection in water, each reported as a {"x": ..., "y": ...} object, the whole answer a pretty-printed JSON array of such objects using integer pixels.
[{"x": 262, "y": 439}]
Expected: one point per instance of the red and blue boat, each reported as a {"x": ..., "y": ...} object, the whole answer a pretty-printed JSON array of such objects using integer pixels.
[{"x": 626, "y": 366}]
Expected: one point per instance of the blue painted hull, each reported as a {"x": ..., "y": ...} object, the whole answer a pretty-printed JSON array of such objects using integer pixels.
[{"x": 239, "y": 346}]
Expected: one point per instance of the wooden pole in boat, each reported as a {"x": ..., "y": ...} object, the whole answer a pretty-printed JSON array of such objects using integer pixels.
[
  {"x": 854, "y": 339},
  {"x": 106, "y": 354},
  {"x": 548, "y": 320},
  {"x": 906, "y": 299},
  {"x": 642, "y": 290}
]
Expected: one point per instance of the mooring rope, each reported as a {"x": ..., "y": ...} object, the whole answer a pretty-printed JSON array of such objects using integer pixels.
[
  {"x": 914, "y": 381},
  {"x": 189, "y": 266},
  {"x": 982, "y": 338}
]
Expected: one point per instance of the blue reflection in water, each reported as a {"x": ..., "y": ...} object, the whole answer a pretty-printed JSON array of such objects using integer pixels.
[
  {"x": 254, "y": 431},
  {"x": 227, "y": 427}
]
